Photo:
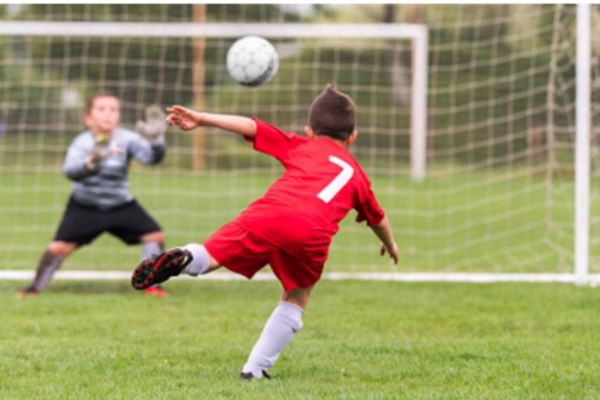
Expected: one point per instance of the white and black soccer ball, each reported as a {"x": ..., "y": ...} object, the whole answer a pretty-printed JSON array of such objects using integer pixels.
[{"x": 252, "y": 61}]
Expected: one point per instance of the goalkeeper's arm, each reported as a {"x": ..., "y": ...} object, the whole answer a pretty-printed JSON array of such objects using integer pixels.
[
  {"x": 80, "y": 162},
  {"x": 187, "y": 119}
]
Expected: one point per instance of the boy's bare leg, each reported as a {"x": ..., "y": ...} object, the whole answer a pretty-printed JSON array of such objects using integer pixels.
[
  {"x": 279, "y": 331},
  {"x": 298, "y": 296},
  {"x": 281, "y": 327}
]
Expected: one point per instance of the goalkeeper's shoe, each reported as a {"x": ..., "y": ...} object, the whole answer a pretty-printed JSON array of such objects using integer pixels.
[
  {"x": 29, "y": 291},
  {"x": 246, "y": 376},
  {"x": 157, "y": 291},
  {"x": 159, "y": 268}
]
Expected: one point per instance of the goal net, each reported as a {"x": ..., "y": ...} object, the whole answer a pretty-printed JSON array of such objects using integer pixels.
[{"x": 498, "y": 191}]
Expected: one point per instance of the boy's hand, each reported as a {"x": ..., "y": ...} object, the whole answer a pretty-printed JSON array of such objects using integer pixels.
[
  {"x": 99, "y": 152},
  {"x": 184, "y": 118},
  {"x": 154, "y": 127},
  {"x": 383, "y": 230},
  {"x": 393, "y": 251}
]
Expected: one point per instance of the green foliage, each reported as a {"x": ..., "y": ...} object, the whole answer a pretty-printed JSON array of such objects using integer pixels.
[
  {"x": 487, "y": 88},
  {"x": 249, "y": 13},
  {"x": 108, "y": 12},
  {"x": 361, "y": 340},
  {"x": 158, "y": 12},
  {"x": 35, "y": 103}
]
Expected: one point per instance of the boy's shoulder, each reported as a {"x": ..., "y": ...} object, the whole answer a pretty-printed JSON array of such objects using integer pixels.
[{"x": 84, "y": 138}]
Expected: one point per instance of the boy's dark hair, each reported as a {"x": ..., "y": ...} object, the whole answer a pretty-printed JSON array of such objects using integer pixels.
[
  {"x": 332, "y": 114},
  {"x": 89, "y": 104}
]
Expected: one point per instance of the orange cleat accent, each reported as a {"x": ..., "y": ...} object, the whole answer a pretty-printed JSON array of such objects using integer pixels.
[
  {"x": 27, "y": 292},
  {"x": 156, "y": 291}
]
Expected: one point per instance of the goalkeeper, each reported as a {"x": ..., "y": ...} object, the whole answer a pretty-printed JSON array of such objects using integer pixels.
[{"x": 97, "y": 162}]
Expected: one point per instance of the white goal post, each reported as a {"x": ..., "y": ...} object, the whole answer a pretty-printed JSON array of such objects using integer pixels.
[
  {"x": 415, "y": 32},
  {"x": 583, "y": 144}
]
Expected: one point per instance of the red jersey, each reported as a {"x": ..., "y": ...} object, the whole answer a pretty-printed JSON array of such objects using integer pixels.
[{"x": 322, "y": 182}]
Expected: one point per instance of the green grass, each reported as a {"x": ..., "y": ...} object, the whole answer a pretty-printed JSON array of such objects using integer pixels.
[
  {"x": 461, "y": 219},
  {"x": 361, "y": 340},
  {"x": 485, "y": 221}
]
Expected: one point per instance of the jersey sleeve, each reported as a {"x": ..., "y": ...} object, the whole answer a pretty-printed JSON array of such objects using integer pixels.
[
  {"x": 367, "y": 206},
  {"x": 74, "y": 166},
  {"x": 274, "y": 142}
]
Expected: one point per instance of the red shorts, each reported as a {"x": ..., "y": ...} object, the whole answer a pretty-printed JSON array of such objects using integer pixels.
[{"x": 241, "y": 251}]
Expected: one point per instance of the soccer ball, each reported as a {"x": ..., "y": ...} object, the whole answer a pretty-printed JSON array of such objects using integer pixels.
[{"x": 252, "y": 61}]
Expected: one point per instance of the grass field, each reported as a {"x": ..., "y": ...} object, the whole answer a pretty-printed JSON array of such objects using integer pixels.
[
  {"x": 361, "y": 340},
  {"x": 489, "y": 221}
]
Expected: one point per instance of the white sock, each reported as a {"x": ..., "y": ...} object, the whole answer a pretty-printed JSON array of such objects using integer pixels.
[
  {"x": 280, "y": 329},
  {"x": 201, "y": 261}
]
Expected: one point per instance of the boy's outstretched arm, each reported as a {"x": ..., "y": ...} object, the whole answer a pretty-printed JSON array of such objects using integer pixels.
[
  {"x": 383, "y": 230},
  {"x": 187, "y": 119}
]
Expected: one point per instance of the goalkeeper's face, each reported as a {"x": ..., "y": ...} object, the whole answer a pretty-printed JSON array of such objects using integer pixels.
[{"x": 103, "y": 115}]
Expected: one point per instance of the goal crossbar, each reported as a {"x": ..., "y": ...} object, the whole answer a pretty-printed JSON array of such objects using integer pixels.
[{"x": 211, "y": 30}]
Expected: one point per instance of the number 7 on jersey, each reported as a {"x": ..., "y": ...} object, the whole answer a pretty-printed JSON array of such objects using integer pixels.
[{"x": 339, "y": 182}]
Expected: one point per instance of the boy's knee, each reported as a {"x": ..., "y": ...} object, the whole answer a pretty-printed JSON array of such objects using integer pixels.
[
  {"x": 156, "y": 237},
  {"x": 299, "y": 297},
  {"x": 61, "y": 249}
]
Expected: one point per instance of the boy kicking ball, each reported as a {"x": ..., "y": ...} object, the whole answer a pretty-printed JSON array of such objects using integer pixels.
[{"x": 291, "y": 227}]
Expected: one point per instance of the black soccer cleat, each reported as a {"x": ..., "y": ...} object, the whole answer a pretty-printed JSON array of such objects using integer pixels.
[
  {"x": 159, "y": 268},
  {"x": 247, "y": 376}
]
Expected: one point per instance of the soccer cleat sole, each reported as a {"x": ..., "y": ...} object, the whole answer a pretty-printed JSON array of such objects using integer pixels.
[
  {"x": 160, "y": 268},
  {"x": 248, "y": 376}
]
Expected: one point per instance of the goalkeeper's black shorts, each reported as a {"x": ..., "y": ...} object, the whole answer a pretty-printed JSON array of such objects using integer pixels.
[{"x": 82, "y": 224}]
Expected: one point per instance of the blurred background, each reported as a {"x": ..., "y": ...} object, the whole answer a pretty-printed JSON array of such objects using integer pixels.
[{"x": 498, "y": 196}]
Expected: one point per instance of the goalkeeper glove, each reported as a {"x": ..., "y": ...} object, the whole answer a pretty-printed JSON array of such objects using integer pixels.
[
  {"x": 154, "y": 127},
  {"x": 99, "y": 152}
]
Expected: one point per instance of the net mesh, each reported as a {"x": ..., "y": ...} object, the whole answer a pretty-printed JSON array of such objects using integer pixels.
[{"x": 499, "y": 191}]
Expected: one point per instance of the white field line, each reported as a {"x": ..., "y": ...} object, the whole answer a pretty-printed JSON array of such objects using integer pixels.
[{"x": 331, "y": 276}]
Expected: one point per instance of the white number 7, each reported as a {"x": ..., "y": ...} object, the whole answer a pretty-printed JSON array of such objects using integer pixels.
[{"x": 339, "y": 182}]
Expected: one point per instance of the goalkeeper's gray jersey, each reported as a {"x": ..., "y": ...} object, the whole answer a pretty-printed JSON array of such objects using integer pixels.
[{"x": 107, "y": 186}]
